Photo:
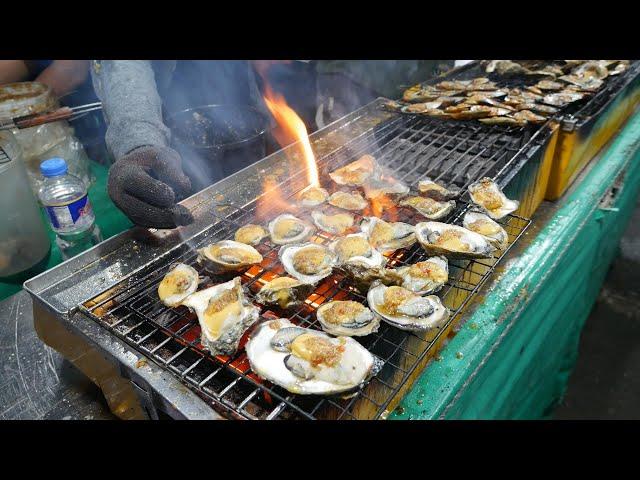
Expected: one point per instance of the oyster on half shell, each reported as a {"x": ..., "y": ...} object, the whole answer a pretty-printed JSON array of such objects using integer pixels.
[
  {"x": 224, "y": 314},
  {"x": 423, "y": 277},
  {"x": 480, "y": 223},
  {"x": 250, "y": 234},
  {"x": 348, "y": 200},
  {"x": 452, "y": 241},
  {"x": 428, "y": 207},
  {"x": 179, "y": 282},
  {"x": 434, "y": 190},
  {"x": 228, "y": 255},
  {"x": 348, "y": 318},
  {"x": 286, "y": 228},
  {"x": 356, "y": 173},
  {"x": 488, "y": 196},
  {"x": 335, "y": 224},
  {"x": 387, "y": 237},
  {"x": 307, "y": 262},
  {"x": 305, "y": 361},
  {"x": 357, "y": 259},
  {"x": 285, "y": 292},
  {"x": 406, "y": 310}
]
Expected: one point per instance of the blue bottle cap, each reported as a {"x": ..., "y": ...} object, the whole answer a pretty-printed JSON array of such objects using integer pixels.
[{"x": 53, "y": 166}]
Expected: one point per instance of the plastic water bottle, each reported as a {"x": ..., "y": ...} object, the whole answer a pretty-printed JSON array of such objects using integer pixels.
[{"x": 64, "y": 198}]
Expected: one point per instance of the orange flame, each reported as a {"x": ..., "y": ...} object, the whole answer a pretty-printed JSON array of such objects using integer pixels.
[
  {"x": 291, "y": 129},
  {"x": 382, "y": 206}
]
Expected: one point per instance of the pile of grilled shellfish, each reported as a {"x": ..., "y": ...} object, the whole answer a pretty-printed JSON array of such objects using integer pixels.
[
  {"x": 559, "y": 84},
  {"x": 332, "y": 361}
]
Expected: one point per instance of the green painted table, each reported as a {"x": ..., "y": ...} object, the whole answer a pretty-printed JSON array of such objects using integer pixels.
[
  {"x": 513, "y": 356},
  {"x": 110, "y": 220}
]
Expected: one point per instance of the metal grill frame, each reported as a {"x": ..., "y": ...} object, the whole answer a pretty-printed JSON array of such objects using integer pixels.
[{"x": 438, "y": 136}]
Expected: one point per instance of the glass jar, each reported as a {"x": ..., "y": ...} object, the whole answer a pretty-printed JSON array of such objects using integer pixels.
[
  {"x": 23, "y": 237},
  {"x": 38, "y": 143}
]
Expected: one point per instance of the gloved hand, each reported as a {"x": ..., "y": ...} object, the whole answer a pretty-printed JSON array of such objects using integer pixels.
[{"x": 146, "y": 183}]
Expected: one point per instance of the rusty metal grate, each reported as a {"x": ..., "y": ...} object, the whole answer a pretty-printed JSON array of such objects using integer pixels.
[{"x": 410, "y": 148}]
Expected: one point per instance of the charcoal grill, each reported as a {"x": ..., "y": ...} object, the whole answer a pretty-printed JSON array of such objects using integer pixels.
[{"x": 108, "y": 297}]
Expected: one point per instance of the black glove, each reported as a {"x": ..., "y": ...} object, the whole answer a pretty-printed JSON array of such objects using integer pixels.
[{"x": 146, "y": 183}]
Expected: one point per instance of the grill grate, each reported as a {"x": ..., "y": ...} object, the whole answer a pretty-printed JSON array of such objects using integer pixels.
[{"x": 411, "y": 148}]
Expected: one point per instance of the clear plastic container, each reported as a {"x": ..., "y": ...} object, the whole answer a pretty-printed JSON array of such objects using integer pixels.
[
  {"x": 66, "y": 203},
  {"x": 23, "y": 236},
  {"x": 38, "y": 143}
]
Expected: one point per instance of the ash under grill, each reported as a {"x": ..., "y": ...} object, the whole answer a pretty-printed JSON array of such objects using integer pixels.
[{"x": 410, "y": 148}]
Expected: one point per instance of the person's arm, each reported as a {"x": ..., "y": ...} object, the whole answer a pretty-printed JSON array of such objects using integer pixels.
[
  {"x": 13, "y": 71},
  {"x": 63, "y": 76},
  {"x": 147, "y": 178}
]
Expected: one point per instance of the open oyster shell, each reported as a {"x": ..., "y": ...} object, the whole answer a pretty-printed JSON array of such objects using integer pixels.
[
  {"x": 428, "y": 207},
  {"x": 307, "y": 262},
  {"x": 348, "y": 318},
  {"x": 482, "y": 224},
  {"x": 488, "y": 196},
  {"x": 287, "y": 228},
  {"x": 285, "y": 292},
  {"x": 357, "y": 173},
  {"x": 179, "y": 282},
  {"x": 452, "y": 241},
  {"x": 387, "y": 237},
  {"x": 228, "y": 255},
  {"x": 423, "y": 277}
]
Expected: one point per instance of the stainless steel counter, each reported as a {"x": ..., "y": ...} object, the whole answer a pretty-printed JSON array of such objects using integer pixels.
[{"x": 36, "y": 382}]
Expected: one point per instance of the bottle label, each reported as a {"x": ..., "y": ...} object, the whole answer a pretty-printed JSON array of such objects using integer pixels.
[{"x": 73, "y": 216}]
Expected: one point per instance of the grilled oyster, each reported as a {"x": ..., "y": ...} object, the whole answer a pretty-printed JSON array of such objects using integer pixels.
[
  {"x": 358, "y": 259},
  {"x": 452, "y": 241},
  {"x": 347, "y": 318},
  {"x": 250, "y": 234},
  {"x": 424, "y": 277},
  {"x": 528, "y": 116},
  {"x": 285, "y": 292},
  {"x": 348, "y": 201},
  {"x": 228, "y": 255},
  {"x": 313, "y": 196},
  {"x": 357, "y": 172},
  {"x": 179, "y": 282},
  {"x": 420, "y": 93},
  {"x": 336, "y": 224},
  {"x": 488, "y": 196},
  {"x": 506, "y": 67},
  {"x": 561, "y": 99},
  {"x": 305, "y": 361},
  {"x": 482, "y": 224},
  {"x": 307, "y": 262},
  {"x": 431, "y": 189},
  {"x": 593, "y": 69},
  {"x": 428, "y": 207},
  {"x": 287, "y": 228},
  {"x": 421, "y": 107},
  {"x": 384, "y": 186},
  {"x": 406, "y": 310},
  {"x": 503, "y": 121},
  {"x": 224, "y": 314},
  {"x": 549, "y": 85},
  {"x": 387, "y": 237}
]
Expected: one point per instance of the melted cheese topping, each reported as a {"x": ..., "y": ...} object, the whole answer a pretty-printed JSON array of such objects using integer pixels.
[
  {"x": 451, "y": 240},
  {"x": 282, "y": 282},
  {"x": 250, "y": 234},
  {"x": 348, "y": 201},
  {"x": 423, "y": 204},
  {"x": 428, "y": 270},
  {"x": 317, "y": 350},
  {"x": 381, "y": 233},
  {"x": 221, "y": 307},
  {"x": 233, "y": 255},
  {"x": 288, "y": 227},
  {"x": 309, "y": 260},
  {"x": 484, "y": 227},
  {"x": 351, "y": 247},
  {"x": 393, "y": 297},
  {"x": 174, "y": 282},
  {"x": 356, "y": 172},
  {"x": 338, "y": 222},
  {"x": 340, "y": 312},
  {"x": 314, "y": 194}
]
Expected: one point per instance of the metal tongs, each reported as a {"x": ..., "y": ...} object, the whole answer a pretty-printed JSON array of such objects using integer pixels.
[{"x": 64, "y": 113}]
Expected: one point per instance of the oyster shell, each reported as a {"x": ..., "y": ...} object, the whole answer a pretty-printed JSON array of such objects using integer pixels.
[
  {"x": 452, "y": 241},
  {"x": 428, "y": 207},
  {"x": 336, "y": 224},
  {"x": 431, "y": 189},
  {"x": 424, "y": 277},
  {"x": 488, "y": 196},
  {"x": 286, "y": 228},
  {"x": 224, "y": 314},
  {"x": 307, "y": 262},
  {"x": 348, "y": 200},
  {"x": 285, "y": 292},
  {"x": 384, "y": 186},
  {"x": 348, "y": 318},
  {"x": 357, "y": 172},
  {"x": 180, "y": 281},
  {"x": 228, "y": 255},
  {"x": 250, "y": 234},
  {"x": 406, "y": 310},
  {"x": 387, "y": 237},
  {"x": 482, "y": 224},
  {"x": 357, "y": 259},
  {"x": 305, "y": 361},
  {"x": 313, "y": 196}
]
